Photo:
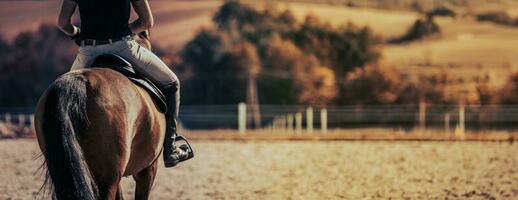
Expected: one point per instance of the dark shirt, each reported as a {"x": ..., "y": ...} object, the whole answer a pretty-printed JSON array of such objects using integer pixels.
[{"x": 104, "y": 19}]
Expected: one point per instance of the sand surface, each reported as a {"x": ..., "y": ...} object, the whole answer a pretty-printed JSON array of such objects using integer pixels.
[{"x": 309, "y": 170}]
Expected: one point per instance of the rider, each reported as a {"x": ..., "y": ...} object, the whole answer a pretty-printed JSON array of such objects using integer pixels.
[{"x": 105, "y": 30}]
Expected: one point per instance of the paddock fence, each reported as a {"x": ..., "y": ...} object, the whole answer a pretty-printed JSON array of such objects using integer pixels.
[{"x": 304, "y": 118}]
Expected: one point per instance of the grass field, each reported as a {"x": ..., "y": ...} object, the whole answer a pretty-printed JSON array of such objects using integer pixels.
[
  {"x": 466, "y": 48},
  {"x": 309, "y": 170},
  {"x": 386, "y": 23}
]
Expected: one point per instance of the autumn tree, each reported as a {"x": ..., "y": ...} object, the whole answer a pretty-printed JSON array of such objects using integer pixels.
[
  {"x": 422, "y": 28},
  {"x": 312, "y": 82},
  {"x": 215, "y": 79},
  {"x": 509, "y": 92},
  {"x": 430, "y": 88},
  {"x": 343, "y": 49},
  {"x": 372, "y": 85}
]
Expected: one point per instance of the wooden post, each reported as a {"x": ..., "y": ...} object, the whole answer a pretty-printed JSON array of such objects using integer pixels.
[
  {"x": 7, "y": 118},
  {"x": 462, "y": 117},
  {"x": 323, "y": 120},
  {"x": 289, "y": 120},
  {"x": 32, "y": 123},
  {"x": 447, "y": 122},
  {"x": 422, "y": 116},
  {"x": 283, "y": 123},
  {"x": 460, "y": 131},
  {"x": 21, "y": 120},
  {"x": 298, "y": 122},
  {"x": 274, "y": 123},
  {"x": 252, "y": 100},
  {"x": 309, "y": 120},
  {"x": 241, "y": 118}
]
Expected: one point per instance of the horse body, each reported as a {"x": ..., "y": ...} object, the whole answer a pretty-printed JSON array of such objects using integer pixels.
[{"x": 94, "y": 126}]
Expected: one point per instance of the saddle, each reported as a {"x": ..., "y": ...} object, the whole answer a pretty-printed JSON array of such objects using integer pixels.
[{"x": 119, "y": 64}]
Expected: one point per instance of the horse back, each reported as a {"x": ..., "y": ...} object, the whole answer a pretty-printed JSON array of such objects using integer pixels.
[{"x": 125, "y": 126}]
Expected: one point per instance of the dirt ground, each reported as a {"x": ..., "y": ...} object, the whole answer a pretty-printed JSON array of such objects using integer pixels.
[{"x": 309, "y": 170}]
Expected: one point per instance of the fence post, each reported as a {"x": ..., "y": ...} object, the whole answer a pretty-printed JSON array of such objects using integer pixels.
[
  {"x": 21, "y": 120},
  {"x": 447, "y": 122},
  {"x": 323, "y": 120},
  {"x": 241, "y": 118},
  {"x": 460, "y": 131},
  {"x": 32, "y": 123},
  {"x": 289, "y": 120},
  {"x": 283, "y": 123},
  {"x": 273, "y": 123},
  {"x": 8, "y": 118},
  {"x": 298, "y": 122},
  {"x": 422, "y": 116},
  {"x": 309, "y": 119}
]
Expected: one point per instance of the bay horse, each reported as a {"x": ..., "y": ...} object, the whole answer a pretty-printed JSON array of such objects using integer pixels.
[{"x": 94, "y": 127}]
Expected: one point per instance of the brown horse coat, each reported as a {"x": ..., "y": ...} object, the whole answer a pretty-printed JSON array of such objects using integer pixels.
[{"x": 94, "y": 126}]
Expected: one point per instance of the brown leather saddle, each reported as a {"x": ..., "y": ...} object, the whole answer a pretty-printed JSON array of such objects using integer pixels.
[{"x": 119, "y": 64}]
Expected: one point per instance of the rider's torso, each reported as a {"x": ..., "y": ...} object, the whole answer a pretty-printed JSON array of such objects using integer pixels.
[{"x": 104, "y": 19}]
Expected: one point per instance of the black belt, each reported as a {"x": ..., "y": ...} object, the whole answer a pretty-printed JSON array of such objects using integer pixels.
[{"x": 90, "y": 42}]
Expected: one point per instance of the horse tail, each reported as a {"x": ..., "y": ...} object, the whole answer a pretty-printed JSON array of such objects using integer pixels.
[{"x": 64, "y": 116}]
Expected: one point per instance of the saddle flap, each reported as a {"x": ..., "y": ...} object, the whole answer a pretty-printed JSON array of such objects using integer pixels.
[{"x": 121, "y": 65}]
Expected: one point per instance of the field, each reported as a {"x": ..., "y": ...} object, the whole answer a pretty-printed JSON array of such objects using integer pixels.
[
  {"x": 466, "y": 49},
  {"x": 309, "y": 170}
]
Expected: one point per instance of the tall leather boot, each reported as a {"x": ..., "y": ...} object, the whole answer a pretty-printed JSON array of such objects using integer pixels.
[{"x": 173, "y": 154}]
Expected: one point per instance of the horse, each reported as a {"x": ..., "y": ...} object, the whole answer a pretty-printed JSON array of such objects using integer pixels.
[{"x": 94, "y": 126}]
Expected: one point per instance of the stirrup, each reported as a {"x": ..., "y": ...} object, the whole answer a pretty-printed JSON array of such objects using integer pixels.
[{"x": 185, "y": 147}]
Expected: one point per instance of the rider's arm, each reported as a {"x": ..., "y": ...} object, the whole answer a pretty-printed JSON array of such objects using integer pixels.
[
  {"x": 65, "y": 18},
  {"x": 145, "y": 18}
]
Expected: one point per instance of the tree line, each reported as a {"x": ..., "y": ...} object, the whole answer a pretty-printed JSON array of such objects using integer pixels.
[
  {"x": 292, "y": 62},
  {"x": 31, "y": 62}
]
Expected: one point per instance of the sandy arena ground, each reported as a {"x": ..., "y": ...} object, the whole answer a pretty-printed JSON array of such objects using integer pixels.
[{"x": 309, "y": 170}]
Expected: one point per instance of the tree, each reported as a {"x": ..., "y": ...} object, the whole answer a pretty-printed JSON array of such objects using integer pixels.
[
  {"x": 485, "y": 91},
  {"x": 372, "y": 85},
  {"x": 215, "y": 78},
  {"x": 233, "y": 13},
  {"x": 298, "y": 62},
  {"x": 509, "y": 92},
  {"x": 248, "y": 60},
  {"x": 441, "y": 11},
  {"x": 342, "y": 49},
  {"x": 312, "y": 83},
  {"x": 421, "y": 29},
  {"x": 31, "y": 63},
  {"x": 4, "y": 47},
  {"x": 431, "y": 88}
]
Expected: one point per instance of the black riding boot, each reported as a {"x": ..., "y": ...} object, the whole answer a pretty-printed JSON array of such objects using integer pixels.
[{"x": 173, "y": 154}]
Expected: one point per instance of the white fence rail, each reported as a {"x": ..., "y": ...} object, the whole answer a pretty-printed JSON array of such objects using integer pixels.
[{"x": 320, "y": 119}]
